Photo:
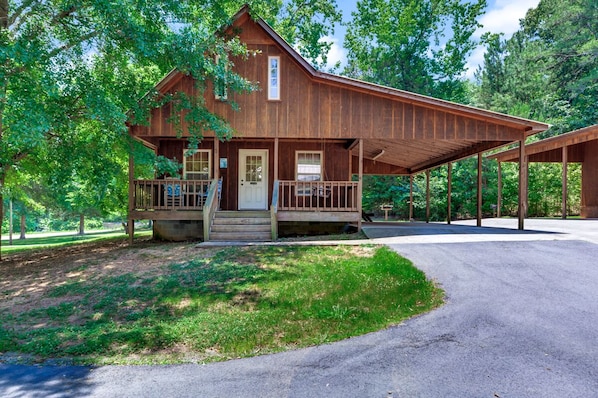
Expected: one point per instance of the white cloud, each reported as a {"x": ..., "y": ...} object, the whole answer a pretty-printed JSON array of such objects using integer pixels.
[
  {"x": 475, "y": 59},
  {"x": 504, "y": 16},
  {"x": 337, "y": 53}
]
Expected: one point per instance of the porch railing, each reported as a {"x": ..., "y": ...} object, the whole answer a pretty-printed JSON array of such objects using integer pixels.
[
  {"x": 170, "y": 194},
  {"x": 211, "y": 205},
  {"x": 317, "y": 196},
  {"x": 274, "y": 210}
]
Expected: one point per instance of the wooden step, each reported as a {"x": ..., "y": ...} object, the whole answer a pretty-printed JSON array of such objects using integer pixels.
[
  {"x": 240, "y": 228},
  {"x": 246, "y": 226},
  {"x": 243, "y": 214},
  {"x": 241, "y": 236},
  {"x": 241, "y": 221}
]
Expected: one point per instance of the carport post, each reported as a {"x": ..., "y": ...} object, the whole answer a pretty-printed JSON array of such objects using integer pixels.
[
  {"x": 410, "y": 197},
  {"x": 499, "y": 195},
  {"x": 479, "y": 199},
  {"x": 360, "y": 185},
  {"x": 449, "y": 189},
  {"x": 427, "y": 196},
  {"x": 565, "y": 165},
  {"x": 522, "y": 183}
]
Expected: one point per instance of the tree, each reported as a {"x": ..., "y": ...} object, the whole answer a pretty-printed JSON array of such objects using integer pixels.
[
  {"x": 416, "y": 45},
  {"x": 64, "y": 65},
  {"x": 548, "y": 70}
]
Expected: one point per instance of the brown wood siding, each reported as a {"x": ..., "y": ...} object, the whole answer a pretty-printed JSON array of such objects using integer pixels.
[
  {"x": 575, "y": 153},
  {"x": 312, "y": 109}
]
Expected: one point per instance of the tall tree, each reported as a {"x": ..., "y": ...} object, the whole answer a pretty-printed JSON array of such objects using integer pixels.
[
  {"x": 415, "y": 45},
  {"x": 58, "y": 60},
  {"x": 548, "y": 70}
]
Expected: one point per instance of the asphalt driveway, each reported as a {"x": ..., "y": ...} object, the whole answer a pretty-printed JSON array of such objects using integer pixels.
[{"x": 521, "y": 320}]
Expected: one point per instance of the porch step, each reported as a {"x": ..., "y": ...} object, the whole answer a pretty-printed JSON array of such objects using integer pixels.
[{"x": 245, "y": 226}]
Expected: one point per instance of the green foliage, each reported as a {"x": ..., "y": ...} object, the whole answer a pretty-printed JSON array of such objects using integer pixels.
[
  {"x": 548, "y": 70},
  {"x": 238, "y": 302},
  {"x": 419, "y": 46}
]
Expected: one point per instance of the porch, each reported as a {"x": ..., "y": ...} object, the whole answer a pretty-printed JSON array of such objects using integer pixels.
[{"x": 199, "y": 200}]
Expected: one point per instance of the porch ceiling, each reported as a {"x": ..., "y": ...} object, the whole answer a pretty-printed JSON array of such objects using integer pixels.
[{"x": 416, "y": 155}]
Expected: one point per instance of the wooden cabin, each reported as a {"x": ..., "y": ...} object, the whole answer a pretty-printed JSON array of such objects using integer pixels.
[{"x": 305, "y": 140}]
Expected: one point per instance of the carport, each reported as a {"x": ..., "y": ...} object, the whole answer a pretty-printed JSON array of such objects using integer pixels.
[{"x": 579, "y": 146}]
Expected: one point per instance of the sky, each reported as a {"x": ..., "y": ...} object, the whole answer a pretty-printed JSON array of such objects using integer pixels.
[{"x": 501, "y": 16}]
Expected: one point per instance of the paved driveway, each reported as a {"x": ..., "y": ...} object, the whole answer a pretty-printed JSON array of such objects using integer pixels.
[{"x": 521, "y": 320}]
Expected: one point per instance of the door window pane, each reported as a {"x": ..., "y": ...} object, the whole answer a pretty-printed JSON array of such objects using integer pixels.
[{"x": 253, "y": 169}]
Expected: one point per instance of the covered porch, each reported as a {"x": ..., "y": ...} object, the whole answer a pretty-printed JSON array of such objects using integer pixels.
[{"x": 255, "y": 184}]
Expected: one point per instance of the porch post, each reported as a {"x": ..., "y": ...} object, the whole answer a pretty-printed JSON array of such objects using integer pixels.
[
  {"x": 479, "y": 193},
  {"x": 428, "y": 196},
  {"x": 410, "y": 197},
  {"x": 216, "y": 158},
  {"x": 449, "y": 191},
  {"x": 499, "y": 194},
  {"x": 522, "y": 183},
  {"x": 564, "y": 182},
  {"x": 276, "y": 159},
  {"x": 131, "y": 222},
  {"x": 360, "y": 184}
]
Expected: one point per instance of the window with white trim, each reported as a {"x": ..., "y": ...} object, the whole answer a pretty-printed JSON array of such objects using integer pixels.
[
  {"x": 197, "y": 164},
  {"x": 273, "y": 78},
  {"x": 309, "y": 169}
]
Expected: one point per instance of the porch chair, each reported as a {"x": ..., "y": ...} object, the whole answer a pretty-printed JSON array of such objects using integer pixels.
[{"x": 172, "y": 194}]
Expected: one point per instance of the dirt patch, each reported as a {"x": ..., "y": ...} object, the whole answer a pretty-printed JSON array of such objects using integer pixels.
[{"x": 26, "y": 277}]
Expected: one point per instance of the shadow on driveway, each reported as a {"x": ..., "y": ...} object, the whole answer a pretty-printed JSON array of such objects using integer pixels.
[{"x": 45, "y": 381}]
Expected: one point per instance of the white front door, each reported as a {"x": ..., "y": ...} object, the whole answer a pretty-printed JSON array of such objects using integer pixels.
[{"x": 253, "y": 179}]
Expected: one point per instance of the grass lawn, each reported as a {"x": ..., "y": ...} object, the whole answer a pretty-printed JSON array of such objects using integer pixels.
[
  {"x": 33, "y": 242},
  {"x": 173, "y": 303}
]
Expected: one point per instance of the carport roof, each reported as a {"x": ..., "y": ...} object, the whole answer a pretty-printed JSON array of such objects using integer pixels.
[{"x": 550, "y": 149}]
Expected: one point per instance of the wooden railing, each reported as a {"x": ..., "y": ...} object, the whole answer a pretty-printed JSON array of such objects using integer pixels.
[
  {"x": 210, "y": 206},
  {"x": 317, "y": 196},
  {"x": 274, "y": 210},
  {"x": 170, "y": 194}
]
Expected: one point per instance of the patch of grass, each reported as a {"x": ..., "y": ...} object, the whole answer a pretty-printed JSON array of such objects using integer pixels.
[
  {"x": 47, "y": 242},
  {"x": 240, "y": 302}
]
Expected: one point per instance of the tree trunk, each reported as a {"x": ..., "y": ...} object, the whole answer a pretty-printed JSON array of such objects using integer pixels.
[
  {"x": 81, "y": 224},
  {"x": 4, "y": 14},
  {"x": 10, "y": 224},
  {"x": 1, "y": 215},
  {"x": 3, "y": 26},
  {"x": 23, "y": 227}
]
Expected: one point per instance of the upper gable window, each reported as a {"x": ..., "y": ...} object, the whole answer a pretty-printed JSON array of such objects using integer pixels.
[{"x": 273, "y": 78}]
